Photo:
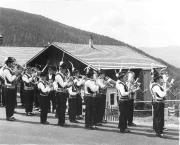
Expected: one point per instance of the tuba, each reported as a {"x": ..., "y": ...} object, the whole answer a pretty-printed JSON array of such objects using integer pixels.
[{"x": 165, "y": 76}]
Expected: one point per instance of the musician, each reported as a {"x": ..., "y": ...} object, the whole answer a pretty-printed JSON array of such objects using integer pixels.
[
  {"x": 123, "y": 94},
  {"x": 132, "y": 95},
  {"x": 78, "y": 83},
  {"x": 52, "y": 99},
  {"x": 28, "y": 91},
  {"x": 60, "y": 86},
  {"x": 90, "y": 89},
  {"x": 44, "y": 90},
  {"x": 158, "y": 94},
  {"x": 102, "y": 81},
  {"x": 73, "y": 98},
  {"x": 10, "y": 88}
]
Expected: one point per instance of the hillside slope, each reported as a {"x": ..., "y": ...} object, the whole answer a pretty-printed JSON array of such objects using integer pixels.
[{"x": 25, "y": 29}]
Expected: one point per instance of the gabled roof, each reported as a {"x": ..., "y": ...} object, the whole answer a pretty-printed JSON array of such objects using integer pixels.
[
  {"x": 108, "y": 56},
  {"x": 103, "y": 56},
  {"x": 22, "y": 54}
]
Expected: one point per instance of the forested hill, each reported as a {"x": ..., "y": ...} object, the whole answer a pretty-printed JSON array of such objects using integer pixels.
[{"x": 25, "y": 29}]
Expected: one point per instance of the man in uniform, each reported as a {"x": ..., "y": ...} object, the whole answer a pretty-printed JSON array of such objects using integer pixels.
[
  {"x": 78, "y": 83},
  {"x": 60, "y": 86},
  {"x": 123, "y": 94},
  {"x": 73, "y": 94},
  {"x": 132, "y": 95},
  {"x": 10, "y": 88},
  {"x": 44, "y": 90},
  {"x": 28, "y": 91},
  {"x": 90, "y": 89},
  {"x": 103, "y": 83},
  {"x": 158, "y": 93},
  {"x": 52, "y": 100}
]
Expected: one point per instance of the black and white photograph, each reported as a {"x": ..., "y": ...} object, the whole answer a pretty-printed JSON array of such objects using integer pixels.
[{"x": 90, "y": 72}]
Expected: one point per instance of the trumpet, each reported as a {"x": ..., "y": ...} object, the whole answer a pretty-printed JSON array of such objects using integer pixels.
[
  {"x": 167, "y": 85},
  {"x": 35, "y": 80},
  {"x": 133, "y": 85}
]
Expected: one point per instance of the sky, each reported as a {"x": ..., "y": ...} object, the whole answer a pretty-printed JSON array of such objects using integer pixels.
[
  {"x": 169, "y": 54},
  {"x": 142, "y": 23}
]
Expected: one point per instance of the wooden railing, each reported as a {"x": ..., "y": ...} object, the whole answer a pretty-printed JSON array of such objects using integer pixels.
[{"x": 112, "y": 113}]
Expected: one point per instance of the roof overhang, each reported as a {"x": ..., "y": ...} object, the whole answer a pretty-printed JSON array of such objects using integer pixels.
[{"x": 106, "y": 63}]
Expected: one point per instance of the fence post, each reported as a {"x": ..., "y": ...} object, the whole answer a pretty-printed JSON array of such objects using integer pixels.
[
  {"x": 152, "y": 111},
  {"x": 179, "y": 110}
]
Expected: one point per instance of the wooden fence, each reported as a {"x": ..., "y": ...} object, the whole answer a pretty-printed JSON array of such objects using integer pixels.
[{"x": 112, "y": 113}]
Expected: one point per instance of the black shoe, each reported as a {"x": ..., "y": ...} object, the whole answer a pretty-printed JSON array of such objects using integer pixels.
[
  {"x": 75, "y": 121},
  {"x": 11, "y": 119},
  {"x": 99, "y": 124},
  {"x": 89, "y": 127},
  {"x": 131, "y": 124},
  {"x": 161, "y": 135},
  {"x": 125, "y": 131},
  {"x": 122, "y": 131},
  {"x": 86, "y": 126},
  {"x": 165, "y": 129},
  {"x": 45, "y": 123},
  {"x": 63, "y": 124}
]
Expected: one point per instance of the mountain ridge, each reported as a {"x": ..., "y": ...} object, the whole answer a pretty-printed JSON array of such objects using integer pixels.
[{"x": 57, "y": 31}]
